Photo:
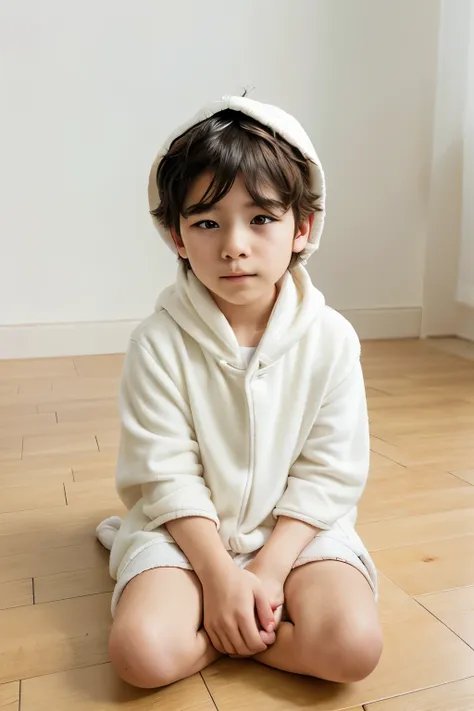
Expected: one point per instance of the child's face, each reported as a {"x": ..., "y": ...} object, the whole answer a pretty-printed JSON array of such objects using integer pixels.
[{"x": 236, "y": 236}]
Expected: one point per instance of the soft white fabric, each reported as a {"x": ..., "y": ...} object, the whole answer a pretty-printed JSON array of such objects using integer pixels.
[
  {"x": 337, "y": 544},
  {"x": 210, "y": 429},
  {"x": 107, "y": 530},
  {"x": 247, "y": 354},
  {"x": 274, "y": 118},
  {"x": 203, "y": 434}
]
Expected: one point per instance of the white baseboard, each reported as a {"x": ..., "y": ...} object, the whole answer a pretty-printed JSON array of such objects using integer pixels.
[
  {"x": 65, "y": 339},
  {"x": 381, "y": 324},
  {"x": 69, "y": 339}
]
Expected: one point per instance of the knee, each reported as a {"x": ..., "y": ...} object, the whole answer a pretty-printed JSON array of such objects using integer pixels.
[
  {"x": 145, "y": 658},
  {"x": 354, "y": 651},
  {"x": 343, "y": 652}
]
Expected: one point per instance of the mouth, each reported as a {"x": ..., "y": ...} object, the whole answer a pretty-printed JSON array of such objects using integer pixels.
[{"x": 237, "y": 277}]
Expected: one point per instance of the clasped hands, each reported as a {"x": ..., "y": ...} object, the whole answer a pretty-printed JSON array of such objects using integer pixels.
[{"x": 242, "y": 609}]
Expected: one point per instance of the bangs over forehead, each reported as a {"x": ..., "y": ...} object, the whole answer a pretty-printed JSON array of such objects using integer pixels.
[
  {"x": 227, "y": 144},
  {"x": 234, "y": 150}
]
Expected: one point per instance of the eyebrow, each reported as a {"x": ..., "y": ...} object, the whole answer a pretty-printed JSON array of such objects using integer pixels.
[{"x": 200, "y": 208}]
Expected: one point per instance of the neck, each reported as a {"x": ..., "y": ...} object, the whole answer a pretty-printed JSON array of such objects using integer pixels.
[{"x": 250, "y": 320}]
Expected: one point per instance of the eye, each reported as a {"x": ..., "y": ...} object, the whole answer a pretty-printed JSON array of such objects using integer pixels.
[
  {"x": 206, "y": 225},
  {"x": 262, "y": 220}
]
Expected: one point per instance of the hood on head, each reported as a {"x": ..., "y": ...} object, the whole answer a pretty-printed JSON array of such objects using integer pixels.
[{"x": 279, "y": 121}]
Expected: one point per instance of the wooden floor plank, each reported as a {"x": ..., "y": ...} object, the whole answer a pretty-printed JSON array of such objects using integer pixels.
[
  {"x": 430, "y": 567},
  {"x": 10, "y": 449},
  {"x": 465, "y": 475},
  {"x": 33, "y": 479},
  {"x": 16, "y": 593},
  {"x": 417, "y": 516},
  {"x": 69, "y": 460},
  {"x": 93, "y": 472},
  {"x": 108, "y": 438},
  {"x": 20, "y": 425},
  {"x": 43, "y": 639},
  {"x": 10, "y": 696},
  {"x": 59, "y": 444},
  {"x": 456, "y": 696},
  {"x": 412, "y": 530},
  {"x": 38, "y": 388},
  {"x": 85, "y": 388},
  {"x": 16, "y": 406},
  {"x": 101, "y": 366},
  {"x": 52, "y": 561},
  {"x": 97, "y": 688},
  {"x": 376, "y": 508},
  {"x": 455, "y": 608},
  {"x": 73, "y": 583},
  {"x": 45, "y": 424},
  {"x": 58, "y": 527},
  {"x": 13, "y": 370},
  {"x": 79, "y": 493},
  {"x": 85, "y": 410},
  {"x": 31, "y": 495}
]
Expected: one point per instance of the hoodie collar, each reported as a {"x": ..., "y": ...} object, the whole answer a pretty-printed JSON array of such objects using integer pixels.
[{"x": 192, "y": 307}]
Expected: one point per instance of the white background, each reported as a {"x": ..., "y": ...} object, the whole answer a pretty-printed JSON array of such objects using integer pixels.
[
  {"x": 90, "y": 90},
  {"x": 466, "y": 261}
]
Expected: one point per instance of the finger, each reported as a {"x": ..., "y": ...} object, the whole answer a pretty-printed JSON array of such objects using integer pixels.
[
  {"x": 228, "y": 643},
  {"x": 268, "y": 638},
  {"x": 278, "y": 614},
  {"x": 264, "y": 610},
  {"x": 241, "y": 656},
  {"x": 250, "y": 634},
  {"x": 216, "y": 642},
  {"x": 241, "y": 647}
]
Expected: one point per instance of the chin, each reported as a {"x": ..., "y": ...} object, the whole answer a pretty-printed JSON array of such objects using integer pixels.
[{"x": 238, "y": 301}]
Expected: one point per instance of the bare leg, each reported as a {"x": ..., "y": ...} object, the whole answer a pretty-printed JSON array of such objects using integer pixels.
[
  {"x": 335, "y": 632},
  {"x": 157, "y": 636}
]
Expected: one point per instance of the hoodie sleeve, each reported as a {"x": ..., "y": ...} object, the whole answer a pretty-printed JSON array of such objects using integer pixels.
[
  {"x": 329, "y": 476},
  {"x": 159, "y": 460}
]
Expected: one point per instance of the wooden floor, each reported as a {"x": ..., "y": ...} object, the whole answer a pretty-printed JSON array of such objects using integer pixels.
[{"x": 58, "y": 441}]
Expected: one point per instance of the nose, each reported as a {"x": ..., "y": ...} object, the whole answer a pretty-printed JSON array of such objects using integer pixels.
[{"x": 235, "y": 244}]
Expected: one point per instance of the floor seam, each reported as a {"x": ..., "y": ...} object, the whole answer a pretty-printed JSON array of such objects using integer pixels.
[
  {"x": 405, "y": 466},
  {"x": 443, "y": 623},
  {"x": 208, "y": 690},
  {"x": 411, "y": 692},
  {"x": 443, "y": 590},
  {"x": 459, "y": 478}
]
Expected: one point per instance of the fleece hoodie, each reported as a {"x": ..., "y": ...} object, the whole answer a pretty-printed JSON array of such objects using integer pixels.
[{"x": 205, "y": 434}]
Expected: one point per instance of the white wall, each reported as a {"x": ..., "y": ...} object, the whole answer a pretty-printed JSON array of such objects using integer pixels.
[
  {"x": 91, "y": 89},
  {"x": 440, "y": 308},
  {"x": 465, "y": 290}
]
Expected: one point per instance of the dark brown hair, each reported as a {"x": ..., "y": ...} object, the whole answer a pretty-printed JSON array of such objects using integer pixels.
[{"x": 226, "y": 144}]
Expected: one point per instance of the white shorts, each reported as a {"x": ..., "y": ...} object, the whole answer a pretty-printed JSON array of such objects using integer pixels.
[{"x": 336, "y": 544}]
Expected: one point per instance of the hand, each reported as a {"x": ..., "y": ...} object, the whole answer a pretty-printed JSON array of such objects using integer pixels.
[
  {"x": 273, "y": 586},
  {"x": 233, "y": 600}
]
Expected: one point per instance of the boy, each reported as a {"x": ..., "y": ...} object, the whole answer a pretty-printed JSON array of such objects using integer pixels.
[{"x": 244, "y": 446}]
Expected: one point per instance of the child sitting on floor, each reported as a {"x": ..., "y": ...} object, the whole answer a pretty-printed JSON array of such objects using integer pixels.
[{"x": 244, "y": 446}]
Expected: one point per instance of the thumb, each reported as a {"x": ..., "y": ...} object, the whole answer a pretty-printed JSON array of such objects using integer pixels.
[{"x": 264, "y": 610}]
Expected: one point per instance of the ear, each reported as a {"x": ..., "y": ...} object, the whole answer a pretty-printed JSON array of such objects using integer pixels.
[
  {"x": 303, "y": 232},
  {"x": 181, "y": 249}
]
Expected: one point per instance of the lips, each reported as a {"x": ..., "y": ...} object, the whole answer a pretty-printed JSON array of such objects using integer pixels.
[{"x": 237, "y": 276}]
